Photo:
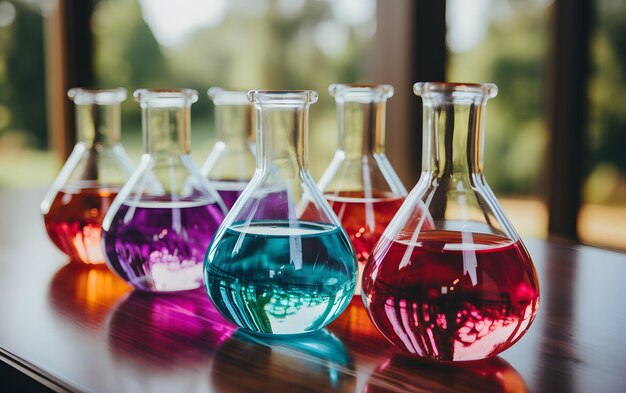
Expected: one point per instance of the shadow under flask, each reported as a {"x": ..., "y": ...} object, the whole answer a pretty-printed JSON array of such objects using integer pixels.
[
  {"x": 281, "y": 262},
  {"x": 360, "y": 184},
  {"x": 158, "y": 228},
  {"x": 465, "y": 287},
  {"x": 230, "y": 165},
  {"x": 75, "y": 205}
]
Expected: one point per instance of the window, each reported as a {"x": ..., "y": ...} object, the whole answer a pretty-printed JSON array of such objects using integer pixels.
[
  {"x": 602, "y": 219},
  {"x": 24, "y": 157},
  {"x": 505, "y": 42},
  {"x": 295, "y": 45}
]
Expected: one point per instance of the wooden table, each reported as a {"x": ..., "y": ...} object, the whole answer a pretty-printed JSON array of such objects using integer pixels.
[{"x": 68, "y": 328}]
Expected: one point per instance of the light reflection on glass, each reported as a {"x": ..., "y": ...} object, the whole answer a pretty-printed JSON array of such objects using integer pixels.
[
  {"x": 251, "y": 362},
  {"x": 86, "y": 293},
  {"x": 167, "y": 331},
  {"x": 399, "y": 371}
]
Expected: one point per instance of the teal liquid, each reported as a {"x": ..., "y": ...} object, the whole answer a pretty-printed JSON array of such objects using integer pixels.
[{"x": 281, "y": 278}]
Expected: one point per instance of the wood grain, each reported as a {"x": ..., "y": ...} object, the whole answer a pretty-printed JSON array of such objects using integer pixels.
[{"x": 82, "y": 329}]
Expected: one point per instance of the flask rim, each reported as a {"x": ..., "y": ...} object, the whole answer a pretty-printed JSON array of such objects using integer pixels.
[
  {"x": 283, "y": 97},
  {"x": 90, "y": 96},
  {"x": 485, "y": 90},
  {"x": 220, "y": 96},
  {"x": 360, "y": 91},
  {"x": 177, "y": 97}
]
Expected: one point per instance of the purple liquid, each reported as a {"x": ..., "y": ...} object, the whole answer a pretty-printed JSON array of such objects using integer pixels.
[
  {"x": 229, "y": 190},
  {"x": 160, "y": 245},
  {"x": 229, "y": 197},
  {"x": 270, "y": 206}
]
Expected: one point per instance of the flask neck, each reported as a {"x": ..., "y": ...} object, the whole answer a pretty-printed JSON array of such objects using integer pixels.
[
  {"x": 166, "y": 120},
  {"x": 361, "y": 127},
  {"x": 166, "y": 130},
  {"x": 233, "y": 125},
  {"x": 282, "y": 119},
  {"x": 98, "y": 124},
  {"x": 98, "y": 115},
  {"x": 453, "y": 124},
  {"x": 453, "y": 139},
  {"x": 282, "y": 139}
]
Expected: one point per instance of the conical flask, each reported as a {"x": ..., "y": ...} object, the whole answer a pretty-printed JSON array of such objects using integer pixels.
[
  {"x": 158, "y": 228},
  {"x": 75, "y": 205},
  {"x": 463, "y": 287},
  {"x": 280, "y": 262},
  {"x": 230, "y": 165},
  {"x": 360, "y": 184}
]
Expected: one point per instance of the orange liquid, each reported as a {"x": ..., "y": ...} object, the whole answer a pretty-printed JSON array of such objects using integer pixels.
[
  {"x": 364, "y": 219},
  {"x": 74, "y": 222}
]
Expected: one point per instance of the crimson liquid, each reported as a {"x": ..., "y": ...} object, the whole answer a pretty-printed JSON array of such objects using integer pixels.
[
  {"x": 74, "y": 221},
  {"x": 451, "y": 295}
]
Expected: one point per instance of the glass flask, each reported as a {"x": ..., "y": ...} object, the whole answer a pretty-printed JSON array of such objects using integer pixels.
[
  {"x": 280, "y": 262},
  {"x": 75, "y": 205},
  {"x": 360, "y": 184},
  {"x": 450, "y": 278},
  {"x": 230, "y": 165},
  {"x": 162, "y": 221}
]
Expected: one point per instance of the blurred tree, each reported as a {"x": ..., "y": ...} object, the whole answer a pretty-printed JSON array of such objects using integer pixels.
[
  {"x": 511, "y": 55},
  {"x": 254, "y": 46},
  {"x": 127, "y": 54},
  {"x": 22, "y": 84},
  {"x": 607, "y": 136}
]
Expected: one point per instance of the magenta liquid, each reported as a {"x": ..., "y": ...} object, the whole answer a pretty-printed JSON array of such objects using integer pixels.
[
  {"x": 229, "y": 191},
  {"x": 451, "y": 295},
  {"x": 160, "y": 245}
]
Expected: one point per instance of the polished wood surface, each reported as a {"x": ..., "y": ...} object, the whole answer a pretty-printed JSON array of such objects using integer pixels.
[{"x": 78, "y": 329}]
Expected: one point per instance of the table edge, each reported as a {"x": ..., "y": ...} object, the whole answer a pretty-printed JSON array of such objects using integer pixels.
[{"x": 33, "y": 372}]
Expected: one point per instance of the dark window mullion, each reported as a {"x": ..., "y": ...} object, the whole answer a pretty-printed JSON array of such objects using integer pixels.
[
  {"x": 567, "y": 113},
  {"x": 69, "y": 63},
  {"x": 409, "y": 47}
]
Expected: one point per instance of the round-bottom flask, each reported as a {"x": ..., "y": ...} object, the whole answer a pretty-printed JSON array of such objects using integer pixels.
[
  {"x": 462, "y": 287},
  {"x": 281, "y": 263},
  {"x": 360, "y": 184},
  {"x": 159, "y": 227},
  {"x": 75, "y": 204},
  {"x": 230, "y": 165}
]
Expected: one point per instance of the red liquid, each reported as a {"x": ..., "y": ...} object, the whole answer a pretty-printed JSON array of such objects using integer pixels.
[
  {"x": 74, "y": 222},
  {"x": 364, "y": 219},
  {"x": 451, "y": 295},
  {"x": 492, "y": 375}
]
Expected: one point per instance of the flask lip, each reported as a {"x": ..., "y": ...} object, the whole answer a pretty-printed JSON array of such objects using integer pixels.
[
  {"x": 283, "y": 97},
  {"x": 220, "y": 96},
  {"x": 361, "y": 92},
  {"x": 462, "y": 90},
  {"x": 88, "y": 96},
  {"x": 165, "y": 97}
]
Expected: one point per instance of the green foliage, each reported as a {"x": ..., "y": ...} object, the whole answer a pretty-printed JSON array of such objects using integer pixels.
[
  {"x": 244, "y": 52},
  {"x": 22, "y": 84},
  {"x": 607, "y": 119},
  {"x": 512, "y": 55},
  {"x": 273, "y": 51}
]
